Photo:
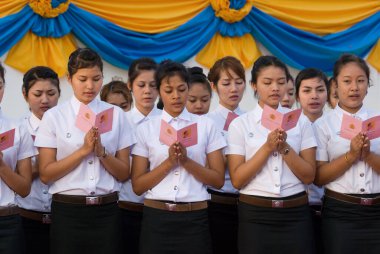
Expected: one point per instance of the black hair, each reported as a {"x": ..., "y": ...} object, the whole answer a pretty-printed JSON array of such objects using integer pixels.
[
  {"x": 225, "y": 64},
  {"x": 169, "y": 68},
  {"x": 83, "y": 58},
  {"x": 266, "y": 61},
  {"x": 2, "y": 72},
  {"x": 139, "y": 65},
  {"x": 310, "y": 73},
  {"x": 39, "y": 73},
  {"x": 350, "y": 58},
  {"x": 197, "y": 76}
]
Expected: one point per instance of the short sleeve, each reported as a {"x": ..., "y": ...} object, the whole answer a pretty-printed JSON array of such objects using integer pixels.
[
  {"x": 236, "y": 142},
  {"x": 26, "y": 148},
  {"x": 308, "y": 137},
  {"x": 215, "y": 139},
  {"x": 46, "y": 134},
  {"x": 141, "y": 148},
  {"x": 126, "y": 131},
  {"x": 322, "y": 141}
]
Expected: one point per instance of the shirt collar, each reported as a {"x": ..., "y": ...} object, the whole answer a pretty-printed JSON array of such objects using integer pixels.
[
  {"x": 76, "y": 104},
  {"x": 139, "y": 117},
  {"x": 34, "y": 122},
  {"x": 224, "y": 111},
  {"x": 362, "y": 113},
  {"x": 185, "y": 115}
]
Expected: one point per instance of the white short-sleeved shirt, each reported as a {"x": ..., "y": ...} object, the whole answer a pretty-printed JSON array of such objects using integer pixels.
[
  {"x": 360, "y": 178},
  {"x": 219, "y": 116},
  {"x": 58, "y": 130},
  {"x": 23, "y": 148},
  {"x": 39, "y": 198},
  {"x": 178, "y": 185},
  {"x": 136, "y": 118},
  {"x": 247, "y": 135}
]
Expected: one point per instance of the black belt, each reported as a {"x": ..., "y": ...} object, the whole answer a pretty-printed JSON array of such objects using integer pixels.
[{"x": 86, "y": 200}]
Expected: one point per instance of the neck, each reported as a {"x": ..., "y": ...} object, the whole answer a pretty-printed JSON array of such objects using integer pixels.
[
  {"x": 349, "y": 109},
  {"x": 229, "y": 107},
  {"x": 313, "y": 117},
  {"x": 143, "y": 110},
  {"x": 262, "y": 104}
]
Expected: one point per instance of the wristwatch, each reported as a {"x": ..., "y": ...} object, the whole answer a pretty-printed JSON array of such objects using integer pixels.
[
  {"x": 104, "y": 153},
  {"x": 285, "y": 151}
]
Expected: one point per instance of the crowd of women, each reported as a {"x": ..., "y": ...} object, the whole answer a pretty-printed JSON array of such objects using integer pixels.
[{"x": 239, "y": 188}]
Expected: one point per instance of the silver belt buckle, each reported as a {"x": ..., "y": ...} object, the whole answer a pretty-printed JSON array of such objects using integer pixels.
[
  {"x": 92, "y": 200},
  {"x": 277, "y": 203},
  {"x": 46, "y": 218},
  {"x": 170, "y": 206},
  {"x": 366, "y": 201}
]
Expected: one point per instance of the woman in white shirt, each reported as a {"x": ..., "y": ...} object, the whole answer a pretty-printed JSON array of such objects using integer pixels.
[
  {"x": 227, "y": 77},
  {"x": 143, "y": 86},
  {"x": 289, "y": 98},
  {"x": 349, "y": 169},
  {"x": 15, "y": 178},
  {"x": 271, "y": 168},
  {"x": 83, "y": 168},
  {"x": 41, "y": 91},
  {"x": 199, "y": 92},
  {"x": 311, "y": 93},
  {"x": 175, "y": 177}
]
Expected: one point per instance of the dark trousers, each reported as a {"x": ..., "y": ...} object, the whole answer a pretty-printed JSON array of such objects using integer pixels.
[
  {"x": 11, "y": 235},
  {"x": 37, "y": 236},
  {"x": 317, "y": 221},
  {"x": 223, "y": 227},
  {"x": 174, "y": 232},
  {"x": 131, "y": 229},
  {"x": 350, "y": 228},
  {"x": 85, "y": 229},
  {"x": 275, "y": 230}
]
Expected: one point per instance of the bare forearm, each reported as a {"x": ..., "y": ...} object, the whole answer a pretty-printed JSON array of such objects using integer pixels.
[
  {"x": 150, "y": 179},
  {"x": 208, "y": 176},
  {"x": 116, "y": 167},
  {"x": 18, "y": 183},
  {"x": 330, "y": 171},
  {"x": 373, "y": 160},
  {"x": 302, "y": 169}
]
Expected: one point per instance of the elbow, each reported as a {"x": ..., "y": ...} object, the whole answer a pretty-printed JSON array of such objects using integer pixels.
[
  {"x": 236, "y": 183},
  {"x": 25, "y": 191},
  {"x": 218, "y": 184},
  {"x": 138, "y": 191},
  {"x": 122, "y": 178},
  {"x": 44, "y": 178},
  {"x": 308, "y": 180}
]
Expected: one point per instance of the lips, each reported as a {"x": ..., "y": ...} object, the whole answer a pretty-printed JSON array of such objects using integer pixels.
[
  {"x": 234, "y": 97},
  {"x": 44, "y": 108},
  {"x": 314, "y": 105}
]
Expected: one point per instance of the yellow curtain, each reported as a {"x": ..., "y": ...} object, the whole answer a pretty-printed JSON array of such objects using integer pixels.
[
  {"x": 374, "y": 57},
  {"x": 322, "y": 16},
  {"x": 147, "y": 16},
  {"x": 243, "y": 48},
  {"x": 33, "y": 50},
  {"x": 8, "y": 7}
]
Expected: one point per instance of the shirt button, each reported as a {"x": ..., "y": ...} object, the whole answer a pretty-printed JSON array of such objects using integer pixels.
[
  {"x": 92, "y": 192},
  {"x": 91, "y": 178},
  {"x": 276, "y": 169},
  {"x": 46, "y": 207},
  {"x": 68, "y": 135},
  {"x": 362, "y": 174},
  {"x": 45, "y": 192},
  {"x": 176, "y": 187},
  {"x": 362, "y": 190},
  {"x": 90, "y": 162},
  {"x": 277, "y": 185},
  {"x": 275, "y": 154},
  {"x": 176, "y": 172}
]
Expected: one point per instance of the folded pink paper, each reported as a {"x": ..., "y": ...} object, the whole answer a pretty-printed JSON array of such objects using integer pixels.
[
  {"x": 7, "y": 139},
  {"x": 272, "y": 119},
  {"x": 187, "y": 136},
  {"x": 230, "y": 117},
  {"x": 351, "y": 126},
  {"x": 86, "y": 119}
]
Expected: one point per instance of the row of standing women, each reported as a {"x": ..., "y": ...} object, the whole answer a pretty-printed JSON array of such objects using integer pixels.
[{"x": 240, "y": 189}]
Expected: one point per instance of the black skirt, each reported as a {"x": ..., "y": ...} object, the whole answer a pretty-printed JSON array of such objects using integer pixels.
[
  {"x": 275, "y": 230},
  {"x": 174, "y": 232},
  {"x": 131, "y": 229},
  {"x": 37, "y": 236},
  {"x": 350, "y": 228},
  {"x": 11, "y": 235},
  {"x": 85, "y": 229}
]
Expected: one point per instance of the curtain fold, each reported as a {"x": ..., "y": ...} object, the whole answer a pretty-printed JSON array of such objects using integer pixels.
[{"x": 8, "y": 7}]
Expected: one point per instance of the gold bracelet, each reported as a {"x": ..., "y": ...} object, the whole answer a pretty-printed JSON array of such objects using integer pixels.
[{"x": 346, "y": 159}]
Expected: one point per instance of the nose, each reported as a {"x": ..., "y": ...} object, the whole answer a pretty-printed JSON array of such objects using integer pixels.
[
  {"x": 44, "y": 98},
  {"x": 198, "y": 104}
]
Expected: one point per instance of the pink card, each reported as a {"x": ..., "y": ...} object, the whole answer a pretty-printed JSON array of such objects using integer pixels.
[
  {"x": 187, "y": 136},
  {"x": 272, "y": 119},
  {"x": 7, "y": 139},
  {"x": 86, "y": 119},
  {"x": 351, "y": 127},
  {"x": 230, "y": 117}
]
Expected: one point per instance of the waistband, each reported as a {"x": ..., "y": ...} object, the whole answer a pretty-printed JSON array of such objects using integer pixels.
[
  {"x": 175, "y": 207},
  {"x": 86, "y": 200},
  {"x": 223, "y": 198},
  {"x": 44, "y": 218},
  {"x": 275, "y": 203},
  {"x": 9, "y": 210},
  {"x": 131, "y": 206},
  {"x": 352, "y": 199}
]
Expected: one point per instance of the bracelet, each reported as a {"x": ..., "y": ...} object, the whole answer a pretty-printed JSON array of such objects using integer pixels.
[
  {"x": 104, "y": 153},
  {"x": 346, "y": 158}
]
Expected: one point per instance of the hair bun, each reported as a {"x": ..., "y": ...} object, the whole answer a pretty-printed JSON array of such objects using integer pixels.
[{"x": 196, "y": 71}]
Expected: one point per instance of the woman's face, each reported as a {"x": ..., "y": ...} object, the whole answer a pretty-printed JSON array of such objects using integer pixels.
[
  {"x": 352, "y": 85},
  {"x": 174, "y": 92},
  {"x": 230, "y": 89},
  {"x": 119, "y": 100},
  {"x": 312, "y": 96},
  {"x": 289, "y": 97},
  {"x": 270, "y": 86},
  {"x": 86, "y": 83},
  {"x": 42, "y": 96},
  {"x": 333, "y": 97},
  {"x": 199, "y": 99},
  {"x": 144, "y": 91}
]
